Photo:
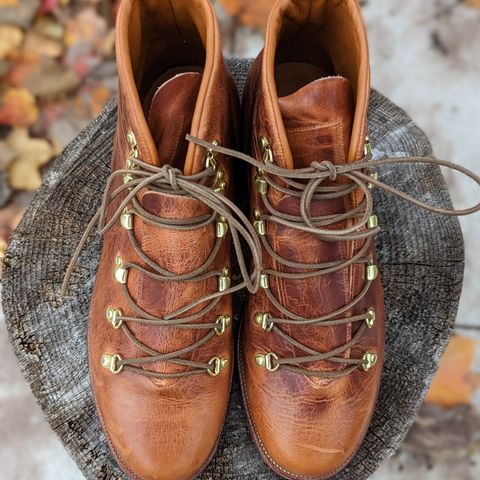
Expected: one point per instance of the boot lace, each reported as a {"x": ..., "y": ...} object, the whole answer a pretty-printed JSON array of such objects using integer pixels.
[
  {"x": 314, "y": 184},
  {"x": 206, "y": 187}
]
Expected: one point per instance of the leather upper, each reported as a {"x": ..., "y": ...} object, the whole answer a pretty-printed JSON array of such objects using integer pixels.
[
  {"x": 164, "y": 428},
  {"x": 304, "y": 426}
]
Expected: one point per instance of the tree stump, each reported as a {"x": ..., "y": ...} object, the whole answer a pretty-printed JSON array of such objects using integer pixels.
[{"x": 420, "y": 254}]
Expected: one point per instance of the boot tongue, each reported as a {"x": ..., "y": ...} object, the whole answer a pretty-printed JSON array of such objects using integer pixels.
[
  {"x": 318, "y": 121},
  {"x": 170, "y": 117}
]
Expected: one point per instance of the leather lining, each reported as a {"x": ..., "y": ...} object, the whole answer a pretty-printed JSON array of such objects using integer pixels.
[
  {"x": 169, "y": 108},
  {"x": 325, "y": 33},
  {"x": 153, "y": 37},
  {"x": 292, "y": 76}
]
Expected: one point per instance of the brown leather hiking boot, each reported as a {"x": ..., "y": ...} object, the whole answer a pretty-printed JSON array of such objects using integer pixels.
[
  {"x": 160, "y": 333},
  {"x": 313, "y": 340}
]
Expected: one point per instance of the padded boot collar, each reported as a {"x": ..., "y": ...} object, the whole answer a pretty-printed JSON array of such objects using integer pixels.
[{"x": 289, "y": 18}]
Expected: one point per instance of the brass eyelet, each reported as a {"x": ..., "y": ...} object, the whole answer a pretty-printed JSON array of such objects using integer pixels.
[
  {"x": 126, "y": 220},
  {"x": 221, "y": 228},
  {"x": 374, "y": 176},
  {"x": 219, "y": 185},
  {"x": 224, "y": 280},
  {"x": 130, "y": 165},
  {"x": 372, "y": 270},
  {"x": 211, "y": 158},
  {"x": 264, "y": 281},
  {"x": 266, "y": 149},
  {"x": 132, "y": 142},
  {"x": 218, "y": 365},
  {"x": 266, "y": 361},
  {"x": 120, "y": 272},
  {"x": 264, "y": 320},
  {"x": 223, "y": 323},
  {"x": 369, "y": 360},
  {"x": 373, "y": 222},
  {"x": 371, "y": 318},
  {"x": 367, "y": 150},
  {"x": 259, "y": 224},
  {"x": 112, "y": 363},
  {"x": 260, "y": 183},
  {"x": 113, "y": 316}
]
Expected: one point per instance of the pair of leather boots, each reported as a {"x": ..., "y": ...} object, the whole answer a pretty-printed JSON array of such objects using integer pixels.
[{"x": 311, "y": 346}]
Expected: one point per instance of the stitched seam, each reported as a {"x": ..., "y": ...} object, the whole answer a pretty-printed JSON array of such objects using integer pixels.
[
  {"x": 314, "y": 127},
  {"x": 177, "y": 141}
]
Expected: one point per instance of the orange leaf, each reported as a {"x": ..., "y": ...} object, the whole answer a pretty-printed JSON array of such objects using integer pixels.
[
  {"x": 100, "y": 96},
  {"x": 8, "y": 3},
  {"x": 30, "y": 155},
  {"x": 454, "y": 383},
  {"x": 250, "y": 13},
  {"x": 21, "y": 69},
  {"x": 18, "y": 108},
  {"x": 11, "y": 38},
  {"x": 472, "y": 3}
]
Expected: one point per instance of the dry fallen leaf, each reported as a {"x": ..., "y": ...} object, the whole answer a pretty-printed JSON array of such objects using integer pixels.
[
  {"x": 11, "y": 38},
  {"x": 42, "y": 45},
  {"x": 22, "y": 66},
  {"x": 50, "y": 28},
  {"x": 84, "y": 41},
  {"x": 454, "y": 383},
  {"x": 48, "y": 6},
  {"x": 18, "y": 12},
  {"x": 8, "y": 3},
  {"x": 472, "y": 3},
  {"x": 88, "y": 28},
  {"x": 253, "y": 14},
  {"x": 108, "y": 44},
  {"x": 18, "y": 108},
  {"x": 48, "y": 79},
  {"x": 24, "y": 175},
  {"x": 30, "y": 155},
  {"x": 442, "y": 435},
  {"x": 100, "y": 96}
]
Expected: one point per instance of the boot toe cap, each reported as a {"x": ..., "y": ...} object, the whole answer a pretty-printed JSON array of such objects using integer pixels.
[
  {"x": 156, "y": 436},
  {"x": 309, "y": 430}
]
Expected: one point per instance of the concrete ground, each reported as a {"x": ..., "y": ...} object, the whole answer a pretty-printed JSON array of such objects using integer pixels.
[{"x": 426, "y": 58}]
